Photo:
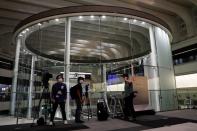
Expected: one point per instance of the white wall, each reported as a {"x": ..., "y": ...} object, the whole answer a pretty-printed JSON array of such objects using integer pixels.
[{"x": 184, "y": 81}]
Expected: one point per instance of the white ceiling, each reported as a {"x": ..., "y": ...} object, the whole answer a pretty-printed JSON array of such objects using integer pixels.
[{"x": 181, "y": 15}]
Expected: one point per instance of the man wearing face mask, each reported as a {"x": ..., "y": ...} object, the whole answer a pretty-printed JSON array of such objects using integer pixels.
[{"x": 58, "y": 97}]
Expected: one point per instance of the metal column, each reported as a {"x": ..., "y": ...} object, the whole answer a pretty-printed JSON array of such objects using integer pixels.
[
  {"x": 104, "y": 76},
  {"x": 67, "y": 63},
  {"x": 104, "y": 81},
  {"x": 153, "y": 74},
  {"x": 15, "y": 76},
  {"x": 31, "y": 88}
]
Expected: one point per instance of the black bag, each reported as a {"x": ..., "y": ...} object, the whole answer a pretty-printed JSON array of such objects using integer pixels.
[
  {"x": 41, "y": 121},
  {"x": 73, "y": 92},
  {"x": 102, "y": 112}
]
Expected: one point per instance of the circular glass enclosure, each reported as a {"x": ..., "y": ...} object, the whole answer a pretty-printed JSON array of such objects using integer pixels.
[
  {"x": 93, "y": 39},
  {"x": 99, "y": 43}
]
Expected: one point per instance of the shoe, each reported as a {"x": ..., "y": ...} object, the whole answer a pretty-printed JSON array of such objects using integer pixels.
[
  {"x": 79, "y": 121},
  {"x": 51, "y": 123},
  {"x": 65, "y": 122}
]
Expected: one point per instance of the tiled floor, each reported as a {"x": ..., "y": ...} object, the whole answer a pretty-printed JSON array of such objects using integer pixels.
[{"x": 120, "y": 125}]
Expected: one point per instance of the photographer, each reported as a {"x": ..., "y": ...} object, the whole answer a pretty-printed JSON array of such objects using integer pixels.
[
  {"x": 79, "y": 99},
  {"x": 58, "y": 97},
  {"x": 129, "y": 94}
]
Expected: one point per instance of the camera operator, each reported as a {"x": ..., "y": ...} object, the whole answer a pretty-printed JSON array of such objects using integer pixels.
[
  {"x": 79, "y": 99},
  {"x": 129, "y": 94},
  {"x": 58, "y": 97}
]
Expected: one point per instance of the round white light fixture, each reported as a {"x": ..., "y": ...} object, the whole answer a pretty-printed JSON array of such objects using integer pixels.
[
  {"x": 27, "y": 29},
  {"x": 103, "y": 16},
  {"x": 39, "y": 24},
  {"x": 24, "y": 32},
  {"x": 92, "y": 16},
  {"x": 125, "y": 19},
  {"x": 80, "y": 17},
  {"x": 57, "y": 20}
]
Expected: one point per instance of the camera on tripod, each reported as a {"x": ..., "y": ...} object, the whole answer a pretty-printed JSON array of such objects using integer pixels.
[
  {"x": 45, "y": 79},
  {"x": 44, "y": 109}
]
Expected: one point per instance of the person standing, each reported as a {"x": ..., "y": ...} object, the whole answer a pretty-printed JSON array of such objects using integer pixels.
[
  {"x": 79, "y": 99},
  {"x": 129, "y": 94},
  {"x": 58, "y": 97}
]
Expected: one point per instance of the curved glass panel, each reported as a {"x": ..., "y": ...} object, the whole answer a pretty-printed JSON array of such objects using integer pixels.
[{"x": 94, "y": 39}]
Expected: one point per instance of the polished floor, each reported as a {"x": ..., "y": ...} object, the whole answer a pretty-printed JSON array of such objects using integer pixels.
[{"x": 181, "y": 120}]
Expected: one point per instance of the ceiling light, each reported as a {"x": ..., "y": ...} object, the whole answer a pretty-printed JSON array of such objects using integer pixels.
[
  {"x": 27, "y": 29},
  {"x": 39, "y": 24},
  {"x": 80, "y": 17},
  {"x": 92, "y": 16},
  {"x": 57, "y": 20},
  {"x": 125, "y": 19},
  {"x": 103, "y": 16},
  {"x": 134, "y": 20},
  {"x": 143, "y": 22},
  {"x": 20, "y": 35},
  {"x": 24, "y": 32}
]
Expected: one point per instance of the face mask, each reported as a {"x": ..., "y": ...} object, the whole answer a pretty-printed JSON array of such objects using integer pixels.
[
  {"x": 60, "y": 80},
  {"x": 81, "y": 81}
]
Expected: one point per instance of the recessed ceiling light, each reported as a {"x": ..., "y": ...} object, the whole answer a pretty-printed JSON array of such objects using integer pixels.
[
  {"x": 143, "y": 22},
  {"x": 24, "y": 32},
  {"x": 80, "y": 17},
  {"x": 39, "y": 24},
  {"x": 134, "y": 20},
  {"x": 20, "y": 35},
  {"x": 103, "y": 16},
  {"x": 27, "y": 29},
  {"x": 92, "y": 16},
  {"x": 57, "y": 20},
  {"x": 125, "y": 19}
]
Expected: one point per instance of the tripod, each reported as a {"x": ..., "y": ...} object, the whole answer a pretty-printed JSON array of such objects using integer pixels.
[{"x": 43, "y": 110}]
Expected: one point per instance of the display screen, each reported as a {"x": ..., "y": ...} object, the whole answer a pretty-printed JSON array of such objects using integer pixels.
[{"x": 113, "y": 78}]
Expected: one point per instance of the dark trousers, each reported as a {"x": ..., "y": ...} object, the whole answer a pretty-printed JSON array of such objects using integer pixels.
[
  {"x": 78, "y": 110},
  {"x": 128, "y": 107},
  {"x": 62, "y": 108}
]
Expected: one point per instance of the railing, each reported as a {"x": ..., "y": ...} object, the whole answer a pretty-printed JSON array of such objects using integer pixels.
[{"x": 168, "y": 100}]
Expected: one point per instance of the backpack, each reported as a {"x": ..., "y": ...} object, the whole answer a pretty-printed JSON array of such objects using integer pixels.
[{"x": 73, "y": 92}]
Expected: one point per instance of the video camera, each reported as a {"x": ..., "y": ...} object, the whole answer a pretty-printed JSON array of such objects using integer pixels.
[{"x": 45, "y": 79}]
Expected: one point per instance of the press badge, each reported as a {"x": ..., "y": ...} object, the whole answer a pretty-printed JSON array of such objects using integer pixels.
[{"x": 62, "y": 87}]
